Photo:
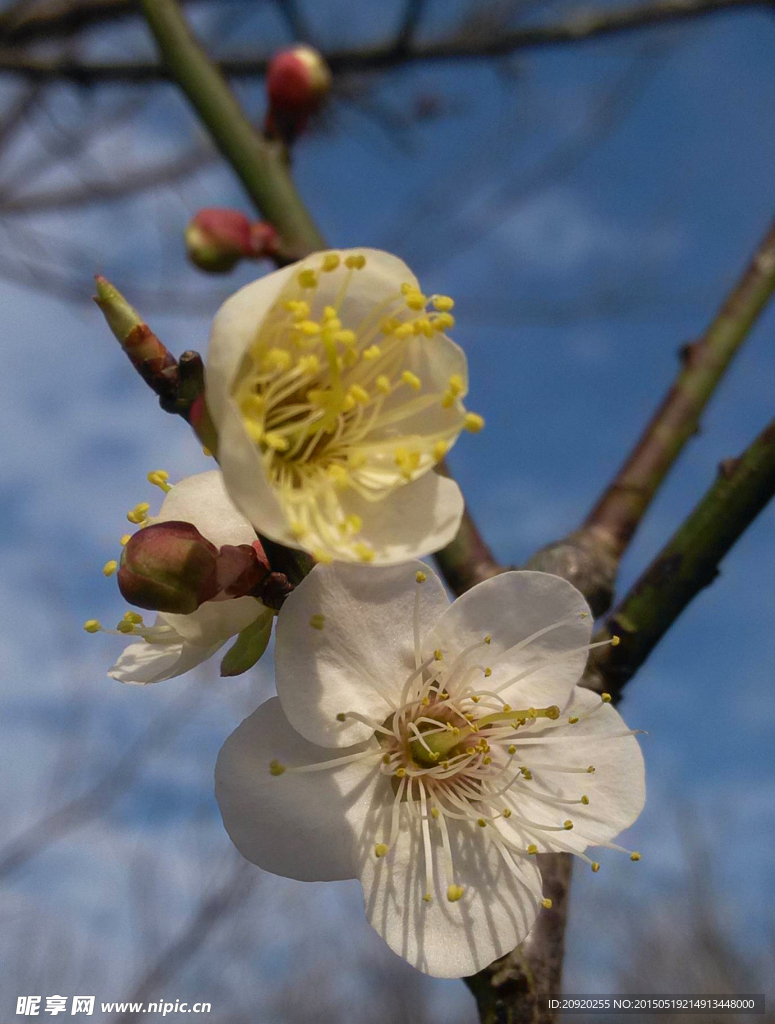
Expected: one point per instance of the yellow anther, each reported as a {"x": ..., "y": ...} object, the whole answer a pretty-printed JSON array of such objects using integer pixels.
[
  {"x": 445, "y": 765},
  {"x": 404, "y": 331},
  {"x": 348, "y": 403},
  {"x": 471, "y": 751},
  {"x": 400, "y": 773},
  {"x": 443, "y": 303},
  {"x": 386, "y": 758},
  {"x": 134, "y": 617},
  {"x": 487, "y": 760},
  {"x": 125, "y": 627},
  {"x": 322, "y": 556},
  {"x": 585, "y": 799},
  {"x": 439, "y": 450},
  {"x": 337, "y": 473},
  {"x": 546, "y": 903},
  {"x": 308, "y": 279},
  {"x": 426, "y": 702},
  {"x": 438, "y": 654},
  {"x": 423, "y": 326},
  {"x": 595, "y": 866},
  {"x": 488, "y": 639},
  {"x": 532, "y": 849},
  {"x": 473, "y": 422},
  {"x": 606, "y": 698},
  {"x": 454, "y": 892},
  {"x": 456, "y": 384},
  {"x": 356, "y": 262},
  {"x": 635, "y": 855},
  {"x": 380, "y": 849},
  {"x": 159, "y": 478},
  {"x": 434, "y": 812},
  {"x": 512, "y": 749},
  {"x": 329, "y": 313},
  {"x": 382, "y": 384},
  {"x": 92, "y": 625},
  {"x": 275, "y": 768},
  {"x": 389, "y": 325},
  {"x": 427, "y": 898},
  {"x": 364, "y": 552},
  {"x": 360, "y": 394},
  {"x": 109, "y": 567},
  {"x": 475, "y": 698},
  {"x": 372, "y": 352},
  {"x": 506, "y": 812},
  {"x": 615, "y": 641},
  {"x": 481, "y": 822},
  {"x": 309, "y": 327},
  {"x": 421, "y": 576},
  {"x": 125, "y": 539},
  {"x": 573, "y": 719},
  {"x": 406, "y": 288},
  {"x": 443, "y": 322},
  {"x": 345, "y": 337},
  {"x": 527, "y": 774},
  {"x": 331, "y": 261},
  {"x": 317, "y": 621},
  {"x": 415, "y": 300},
  {"x": 567, "y": 825},
  {"x": 275, "y": 441},
  {"x": 308, "y": 364},
  {"x": 591, "y": 770},
  {"x": 350, "y": 358},
  {"x": 411, "y": 379},
  {"x": 506, "y": 707},
  {"x": 298, "y": 530},
  {"x": 341, "y": 717},
  {"x": 552, "y": 712},
  {"x": 277, "y": 359}
]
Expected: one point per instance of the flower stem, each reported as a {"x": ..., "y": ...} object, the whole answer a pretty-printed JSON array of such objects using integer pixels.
[{"x": 260, "y": 165}]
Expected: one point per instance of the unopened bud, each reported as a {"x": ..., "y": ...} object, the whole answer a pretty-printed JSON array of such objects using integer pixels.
[
  {"x": 297, "y": 81},
  {"x": 169, "y": 567},
  {"x": 264, "y": 240},
  {"x": 241, "y": 569},
  {"x": 218, "y": 238}
]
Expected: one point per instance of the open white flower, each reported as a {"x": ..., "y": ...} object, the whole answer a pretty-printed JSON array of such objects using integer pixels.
[
  {"x": 468, "y": 752},
  {"x": 174, "y": 644},
  {"x": 335, "y": 391}
]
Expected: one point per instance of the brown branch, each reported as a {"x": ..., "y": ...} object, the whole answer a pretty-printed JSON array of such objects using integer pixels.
[
  {"x": 687, "y": 564},
  {"x": 620, "y": 509},
  {"x": 577, "y": 28},
  {"x": 54, "y": 18}
]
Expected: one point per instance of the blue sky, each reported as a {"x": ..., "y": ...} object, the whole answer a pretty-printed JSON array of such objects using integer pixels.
[{"x": 578, "y": 275}]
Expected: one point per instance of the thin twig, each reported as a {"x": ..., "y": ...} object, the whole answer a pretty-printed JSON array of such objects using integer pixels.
[
  {"x": 259, "y": 164},
  {"x": 578, "y": 27},
  {"x": 619, "y": 511},
  {"x": 687, "y": 564}
]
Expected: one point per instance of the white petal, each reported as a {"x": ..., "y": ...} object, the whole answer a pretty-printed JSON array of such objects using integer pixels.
[
  {"x": 379, "y": 280},
  {"x": 616, "y": 789},
  {"x": 448, "y": 940},
  {"x": 361, "y": 658},
  {"x": 510, "y": 608},
  {"x": 417, "y": 519},
  {"x": 203, "y": 501},
  {"x": 245, "y": 475},
  {"x": 144, "y": 663},
  {"x": 300, "y": 826},
  {"x": 234, "y": 328},
  {"x": 215, "y": 621}
]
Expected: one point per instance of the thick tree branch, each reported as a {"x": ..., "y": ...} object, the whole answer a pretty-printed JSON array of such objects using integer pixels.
[
  {"x": 259, "y": 164},
  {"x": 619, "y": 511},
  {"x": 688, "y": 563},
  {"x": 583, "y": 26}
]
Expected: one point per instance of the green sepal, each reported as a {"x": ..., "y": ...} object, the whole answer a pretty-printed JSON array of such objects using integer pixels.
[{"x": 249, "y": 646}]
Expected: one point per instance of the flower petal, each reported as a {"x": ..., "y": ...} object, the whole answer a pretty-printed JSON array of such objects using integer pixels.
[
  {"x": 296, "y": 825},
  {"x": 361, "y": 657},
  {"x": 415, "y": 520},
  {"x": 510, "y": 608},
  {"x": 144, "y": 663},
  {"x": 448, "y": 940},
  {"x": 203, "y": 501},
  {"x": 234, "y": 328},
  {"x": 616, "y": 789},
  {"x": 215, "y": 621}
]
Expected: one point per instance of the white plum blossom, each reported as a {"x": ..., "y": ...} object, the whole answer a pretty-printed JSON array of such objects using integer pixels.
[
  {"x": 434, "y": 750},
  {"x": 335, "y": 391},
  {"x": 174, "y": 644}
]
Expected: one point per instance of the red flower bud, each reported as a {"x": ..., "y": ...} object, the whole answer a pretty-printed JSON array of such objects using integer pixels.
[
  {"x": 218, "y": 238},
  {"x": 297, "y": 81},
  {"x": 169, "y": 567}
]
